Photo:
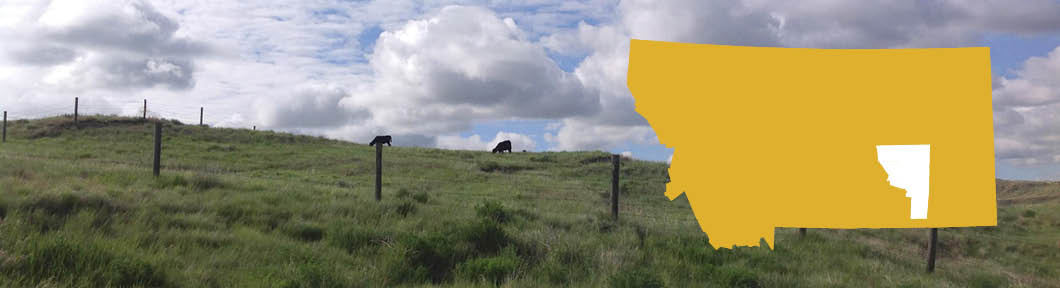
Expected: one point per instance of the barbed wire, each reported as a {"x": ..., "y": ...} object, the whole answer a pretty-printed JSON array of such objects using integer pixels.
[
  {"x": 992, "y": 237},
  {"x": 87, "y": 107}
]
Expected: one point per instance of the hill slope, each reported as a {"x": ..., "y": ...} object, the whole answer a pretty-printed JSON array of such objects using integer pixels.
[{"x": 79, "y": 207}]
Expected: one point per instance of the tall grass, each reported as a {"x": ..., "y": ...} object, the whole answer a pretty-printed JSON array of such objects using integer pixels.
[{"x": 238, "y": 208}]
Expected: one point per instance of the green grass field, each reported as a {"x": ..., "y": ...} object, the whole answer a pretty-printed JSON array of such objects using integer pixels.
[{"x": 240, "y": 208}]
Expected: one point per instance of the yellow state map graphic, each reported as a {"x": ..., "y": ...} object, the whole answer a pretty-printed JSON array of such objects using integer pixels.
[{"x": 787, "y": 137}]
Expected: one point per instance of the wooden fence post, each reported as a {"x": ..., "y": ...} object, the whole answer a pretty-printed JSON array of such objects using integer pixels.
[
  {"x": 378, "y": 171},
  {"x": 5, "y": 127},
  {"x": 75, "y": 111},
  {"x": 145, "y": 109},
  {"x": 200, "y": 116},
  {"x": 158, "y": 148},
  {"x": 932, "y": 246},
  {"x": 802, "y": 232},
  {"x": 615, "y": 159}
]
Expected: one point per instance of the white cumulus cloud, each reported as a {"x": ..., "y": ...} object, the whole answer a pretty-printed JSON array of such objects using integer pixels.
[
  {"x": 475, "y": 142},
  {"x": 1027, "y": 113}
]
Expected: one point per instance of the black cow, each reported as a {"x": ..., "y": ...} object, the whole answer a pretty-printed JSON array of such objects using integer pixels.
[
  {"x": 503, "y": 146},
  {"x": 380, "y": 140}
]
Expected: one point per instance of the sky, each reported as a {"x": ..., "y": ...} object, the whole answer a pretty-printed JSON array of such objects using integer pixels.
[{"x": 548, "y": 75}]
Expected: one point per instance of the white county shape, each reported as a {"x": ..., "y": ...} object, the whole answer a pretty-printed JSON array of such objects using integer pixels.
[{"x": 908, "y": 167}]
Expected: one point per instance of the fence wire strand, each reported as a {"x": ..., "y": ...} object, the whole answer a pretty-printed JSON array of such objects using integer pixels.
[{"x": 87, "y": 107}]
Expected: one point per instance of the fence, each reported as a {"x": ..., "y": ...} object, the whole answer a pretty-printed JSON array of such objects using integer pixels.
[{"x": 183, "y": 115}]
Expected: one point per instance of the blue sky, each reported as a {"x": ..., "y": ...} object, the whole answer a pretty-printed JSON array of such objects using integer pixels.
[
  {"x": 466, "y": 74},
  {"x": 1007, "y": 51}
]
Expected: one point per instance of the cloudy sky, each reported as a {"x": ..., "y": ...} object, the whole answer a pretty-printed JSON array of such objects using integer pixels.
[{"x": 549, "y": 75}]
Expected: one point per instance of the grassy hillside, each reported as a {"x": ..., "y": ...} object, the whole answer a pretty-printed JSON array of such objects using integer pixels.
[{"x": 79, "y": 207}]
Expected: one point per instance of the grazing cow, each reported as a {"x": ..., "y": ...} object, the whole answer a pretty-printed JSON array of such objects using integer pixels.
[
  {"x": 380, "y": 140},
  {"x": 503, "y": 146}
]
